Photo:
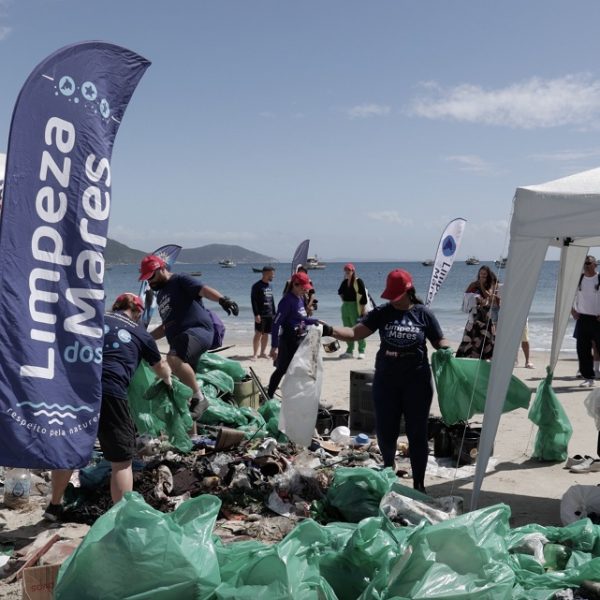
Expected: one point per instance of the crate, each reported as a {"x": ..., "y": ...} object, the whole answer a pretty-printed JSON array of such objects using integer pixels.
[
  {"x": 245, "y": 393},
  {"x": 362, "y": 409}
]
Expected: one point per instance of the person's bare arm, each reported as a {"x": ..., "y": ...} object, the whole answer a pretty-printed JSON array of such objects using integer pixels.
[{"x": 158, "y": 332}]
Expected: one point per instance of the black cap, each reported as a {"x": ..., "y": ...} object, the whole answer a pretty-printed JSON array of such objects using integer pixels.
[{"x": 268, "y": 268}]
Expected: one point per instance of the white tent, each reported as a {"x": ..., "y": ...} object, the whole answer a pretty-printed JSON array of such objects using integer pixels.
[{"x": 563, "y": 213}]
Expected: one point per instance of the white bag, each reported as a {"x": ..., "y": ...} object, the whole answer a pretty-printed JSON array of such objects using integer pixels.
[
  {"x": 301, "y": 390},
  {"x": 592, "y": 403},
  {"x": 578, "y": 502}
]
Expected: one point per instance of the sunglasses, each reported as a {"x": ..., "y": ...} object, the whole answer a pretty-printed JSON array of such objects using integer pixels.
[{"x": 587, "y": 263}]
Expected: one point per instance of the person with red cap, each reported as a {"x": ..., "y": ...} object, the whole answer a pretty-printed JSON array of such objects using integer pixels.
[
  {"x": 402, "y": 382},
  {"x": 354, "y": 306},
  {"x": 126, "y": 342},
  {"x": 289, "y": 328},
  {"x": 186, "y": 323}
]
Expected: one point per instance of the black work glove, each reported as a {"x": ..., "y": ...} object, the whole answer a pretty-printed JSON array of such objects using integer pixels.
[
  {"x": 229, "y": 306},
  {"x": 327, "y": 330}
]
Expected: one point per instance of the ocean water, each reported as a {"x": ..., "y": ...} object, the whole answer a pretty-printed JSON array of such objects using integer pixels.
[{"x": 237, "y": 282}]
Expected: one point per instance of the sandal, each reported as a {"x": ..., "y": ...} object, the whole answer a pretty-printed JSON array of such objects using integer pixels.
[{"x": 529, "y": 365}]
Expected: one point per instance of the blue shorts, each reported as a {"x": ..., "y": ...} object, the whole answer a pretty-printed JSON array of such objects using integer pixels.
[{"x": 188, "y": 348}]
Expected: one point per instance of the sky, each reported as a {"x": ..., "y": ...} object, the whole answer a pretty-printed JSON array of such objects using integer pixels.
[{"x": 363, "y": 126}]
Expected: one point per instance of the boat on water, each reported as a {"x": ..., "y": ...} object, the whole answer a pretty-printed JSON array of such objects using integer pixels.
[
  {"x": 312, "y": 262},
  {"x": 501, "y": 262},
  {"x": 427, "y": 263},
  {"x": 227, "y": 263},
  {"x": 257, "y": 269},
  {"x": 472, "y": 260},
  {"x": 196, "y": 273}
]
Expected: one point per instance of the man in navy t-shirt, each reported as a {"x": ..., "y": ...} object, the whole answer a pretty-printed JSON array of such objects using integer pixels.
[
  {"x": 263, "y": 307},
  {"x": 186, "y": 323}
]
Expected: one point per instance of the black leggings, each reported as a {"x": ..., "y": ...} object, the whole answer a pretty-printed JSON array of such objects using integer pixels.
[
  {"x": 409, "y": 394},
  {"x": 287, "y": 349}
]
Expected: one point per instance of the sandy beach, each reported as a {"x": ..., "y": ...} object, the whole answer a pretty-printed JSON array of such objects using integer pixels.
[{"x": 531, "y": 488}]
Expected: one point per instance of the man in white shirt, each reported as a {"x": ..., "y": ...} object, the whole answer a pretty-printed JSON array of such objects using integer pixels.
[{"x": 586, "y": 311}]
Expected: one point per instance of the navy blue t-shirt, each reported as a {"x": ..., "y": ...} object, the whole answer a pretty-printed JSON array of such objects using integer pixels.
[
  {"x": 181, "y": 308},
  {"x": 403, "y": 335},
  {"x": 261, "y": 297},
  {"x": 125, "y": 344}
]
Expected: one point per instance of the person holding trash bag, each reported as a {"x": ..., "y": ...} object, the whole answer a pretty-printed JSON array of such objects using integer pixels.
[
  {"x": 402, "y": 383},
  {"x": 289, "y": 328},
  {"x": 126, "y": 343}
]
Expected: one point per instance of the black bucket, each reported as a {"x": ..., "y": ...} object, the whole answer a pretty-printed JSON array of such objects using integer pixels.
[
  {"x": 324, "y": 422},
  {"x": 339, "y": 418},
  {"x": 442, "y": 443},
  {"x": 466, "y": 445}
]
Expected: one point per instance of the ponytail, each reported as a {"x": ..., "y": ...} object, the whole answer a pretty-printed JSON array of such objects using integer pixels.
[{"x": 412, "y": 296}]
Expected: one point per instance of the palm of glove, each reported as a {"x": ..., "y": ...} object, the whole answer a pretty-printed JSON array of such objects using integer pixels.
[{"x": 229, "y": 306}]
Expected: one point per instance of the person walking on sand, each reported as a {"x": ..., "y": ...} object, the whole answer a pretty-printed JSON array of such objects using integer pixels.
[
  {"x": 186, "y": 323},
  {"x": 402, "y": 382},
  {"x": 263, "y": 307},
  {"x": 126, "y": 343},
  {"x": 354, "y": 305},
  {"x": 586, "y": 312},
  {"x": 289, "y": 328}
]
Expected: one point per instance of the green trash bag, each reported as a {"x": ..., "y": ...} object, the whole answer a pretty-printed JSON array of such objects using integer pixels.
[
  {"x": 552, "y": 439},
  {"x": 221, "y": 412},
  {"x": 156, "y": 409},
  {"x": 465, "y": 557},
  {"x": 355, "y": 493},
  {"x": 270, "y": 413},
  {"x": 219, "y": 379},
  {"x": 462, "y": 383},
  {"x": 211, "y": 361},
  {"x": 136, "y": 552},
  {"x": 357, "y": 552}
]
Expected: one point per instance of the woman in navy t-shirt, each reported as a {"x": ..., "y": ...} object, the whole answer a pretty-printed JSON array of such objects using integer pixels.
[{"x": 402, "y": 383}]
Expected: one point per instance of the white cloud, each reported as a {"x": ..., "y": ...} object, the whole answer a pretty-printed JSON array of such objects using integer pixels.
[
  {"x": 536, "y": 103},
  {"x": 471, "y": 163},
  {"x": 567, "y": 155},
  {"x": 4, "y": 32},
  {"x": 499, "y": 227},
  {"x": 366, "y": 111},
  {"x": 267, "y": 114},
  {"x": 390, "y": 216}
]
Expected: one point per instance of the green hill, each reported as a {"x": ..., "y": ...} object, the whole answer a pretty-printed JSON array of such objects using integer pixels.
[{"x": 117, "y": 253}]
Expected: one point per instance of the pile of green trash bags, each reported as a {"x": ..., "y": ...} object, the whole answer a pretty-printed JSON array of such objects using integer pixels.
[
  {"x": 156, "y": 409},
  {"x": 136, "y": 552},
  {"x": 462, "y": 384}
]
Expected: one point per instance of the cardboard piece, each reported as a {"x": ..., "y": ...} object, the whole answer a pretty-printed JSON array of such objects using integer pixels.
[{"x": 38, "y": 582}]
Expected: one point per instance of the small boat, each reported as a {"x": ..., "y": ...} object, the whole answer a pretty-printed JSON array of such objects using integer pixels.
[
  {"x": 196, "y": 273},
  {"x": 257, "y": 269},
  {"x": 472, "y": 260},
  {"x": 427, "y": 263},
  {"x": 312, "y": 262},
  {"x": 501, "y": 262},
  {"x": 227, "y": 263}
]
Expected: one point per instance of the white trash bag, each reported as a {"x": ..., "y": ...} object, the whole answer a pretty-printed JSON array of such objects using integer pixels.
[
  {"x": 301, "y": 390},
  {"x": 592, "y": 404},
  {"x": 578, "y": 502}
]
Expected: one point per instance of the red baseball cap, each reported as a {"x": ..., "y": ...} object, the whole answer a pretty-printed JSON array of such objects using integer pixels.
[
  {"x": 303, "y": 279},
  {"x": 150, "y": 264},
  {"x": 398, "y": 283},
  {"x": 349, "y": 267},
  {"x": 136, "y": 299}
]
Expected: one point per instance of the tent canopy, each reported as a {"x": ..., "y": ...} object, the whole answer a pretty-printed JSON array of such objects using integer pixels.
[{"x": 563, "y": 213}]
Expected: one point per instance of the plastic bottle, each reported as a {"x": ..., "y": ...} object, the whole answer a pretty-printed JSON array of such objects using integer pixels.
[{"x": 17, "y": 486}]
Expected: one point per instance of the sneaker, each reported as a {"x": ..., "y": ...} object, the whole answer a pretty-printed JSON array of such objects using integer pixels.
[
  {"x": 587, "y": 383},
  {"x": 361, "y": 356},
  {"x": 53, "y": 512},
  {"x": 346, "y": 355},
  {"x": 589, "y": 465},
  {"x": 577, "y": 460},
  {"x": 197, "y": 407},
  {"x": 529, "y": 365}
]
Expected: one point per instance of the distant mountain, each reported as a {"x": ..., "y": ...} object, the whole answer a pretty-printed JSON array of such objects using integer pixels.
[
  {"x": 213, "y": 253},
  {"x": 117, "y": 253}
]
